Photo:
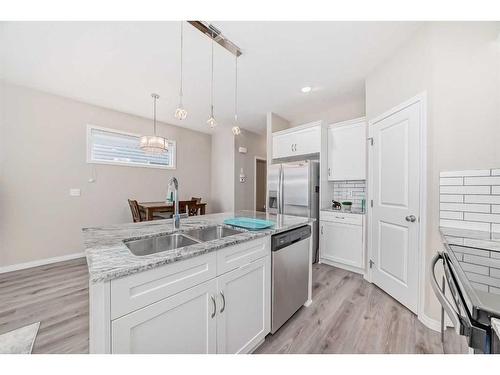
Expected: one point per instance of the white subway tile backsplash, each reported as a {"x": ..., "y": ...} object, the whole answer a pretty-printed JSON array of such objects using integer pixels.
[
  {"x": 460, "y": 224},
  {"x": 487, "y": 218},
  {"x": 353, "y": 191},
  {"x": 474, "y": 172},
  {"x": 475, "y": 194},
  {"x": 452, "y": 198},
  {"x": 495, "y": 254},
  {"x": 491, "y": 199},
  {"x": 495, "y": 272},
  {"x": 465, "y": 189},
  {"x": 494, "y": 290},
  {"x": 482, "y": 180},
  {"x": 478, "y": 286},
  {"x": 484, "y": 244},
  {"x": 483, "y": 279},
  {"x": 482, "y": 270},
  {"x": 454, "y": 215},
  {"x": 483, "y": 261},
  {"x": 478, "y": 252},
  {"x": 454, "y": 240},
  {"x": 465, "y": 207},
  {"x": 451, "y": 181}
]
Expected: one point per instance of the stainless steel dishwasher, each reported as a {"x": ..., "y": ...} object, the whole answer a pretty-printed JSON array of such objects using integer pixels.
[{"x": 290, "y": 273}]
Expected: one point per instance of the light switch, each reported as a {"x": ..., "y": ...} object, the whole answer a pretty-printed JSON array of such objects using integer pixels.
[{"x": 74, "y": 192}]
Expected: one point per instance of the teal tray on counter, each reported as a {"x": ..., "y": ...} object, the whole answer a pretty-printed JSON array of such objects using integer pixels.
[{"x": 249, "y": 223}]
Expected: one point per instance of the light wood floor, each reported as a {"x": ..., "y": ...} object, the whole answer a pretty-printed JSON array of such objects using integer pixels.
[
  {"x": 55, "y": 295},
  {"x": 348, "y": 315}
]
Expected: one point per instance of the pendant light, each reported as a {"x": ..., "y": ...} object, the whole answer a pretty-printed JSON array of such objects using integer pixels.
[
  {"x": 153, "y": 144},
  {"x": 180, "y": 112},
  {"x": 211, "y": 120},
  {"x": 236, "y": 129}
]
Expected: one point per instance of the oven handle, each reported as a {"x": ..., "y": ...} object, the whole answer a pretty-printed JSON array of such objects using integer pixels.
[{"x": 447, "y": 306}]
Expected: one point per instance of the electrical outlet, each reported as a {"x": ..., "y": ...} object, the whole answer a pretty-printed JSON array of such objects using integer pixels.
[{"x": 74, "y": 192}]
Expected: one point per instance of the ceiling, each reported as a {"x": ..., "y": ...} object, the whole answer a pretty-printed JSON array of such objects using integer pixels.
[{"x": 118, "y": 65}]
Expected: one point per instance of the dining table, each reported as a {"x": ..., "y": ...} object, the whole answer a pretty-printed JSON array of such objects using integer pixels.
[{"x": 149, "y": 209}]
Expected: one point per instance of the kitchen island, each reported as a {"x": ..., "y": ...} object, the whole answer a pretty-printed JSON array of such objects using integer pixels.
[{"x": 210, "y": 295}]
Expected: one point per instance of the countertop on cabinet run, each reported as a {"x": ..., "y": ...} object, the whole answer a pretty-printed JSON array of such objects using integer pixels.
[
  {"x": 108, "y": 258},
  {"x": 342, "y": 211}
]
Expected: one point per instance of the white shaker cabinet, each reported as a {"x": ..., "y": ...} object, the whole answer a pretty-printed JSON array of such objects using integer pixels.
[
  {"x": 342, "y": 240},
  {"x": 347, "y": 150},
  {"x": 297, "y": 141},
  {"x": 183, "y": 323},
  {"x": 245, "y": 306},
  {"x": 219, "y": 302}
]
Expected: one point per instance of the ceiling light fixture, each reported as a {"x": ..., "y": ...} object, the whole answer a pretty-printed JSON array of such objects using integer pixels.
[
  {"x": 180, "y": 112},
  {"x": 211, "y": 120},
  {"x": 306, "y": 89},
  {"x": 236, "y": 129},
  {"x": 153, "y": 144}
]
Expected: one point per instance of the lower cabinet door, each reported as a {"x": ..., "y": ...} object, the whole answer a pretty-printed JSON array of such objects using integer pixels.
[
  {"x": 244, "y": 307},
  {"x": 342, "y": 243},
  {"x": 183, "y": 323}
]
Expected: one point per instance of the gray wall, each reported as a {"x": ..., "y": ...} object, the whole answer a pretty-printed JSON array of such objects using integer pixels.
[
  {"x": 222, "y": 170},
  {"x": 244, "y": 193},
  {"x": 458, "y": 65},
  {"x": 43, "y": 155}
]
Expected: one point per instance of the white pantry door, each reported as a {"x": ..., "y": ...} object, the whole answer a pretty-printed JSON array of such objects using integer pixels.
[{"x": 395, "y": 172}]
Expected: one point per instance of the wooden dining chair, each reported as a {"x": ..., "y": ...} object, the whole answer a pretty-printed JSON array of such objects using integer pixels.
[
  {"x": 134, "y": 208},
  {"x": 197, "y": 200},
  {"x": 193, "y": 208}
]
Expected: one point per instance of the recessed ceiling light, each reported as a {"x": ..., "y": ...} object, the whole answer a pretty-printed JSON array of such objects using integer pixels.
[{"x": 306, "y": 89}]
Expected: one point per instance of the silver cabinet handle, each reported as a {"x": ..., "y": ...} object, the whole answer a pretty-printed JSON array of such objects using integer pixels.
[
  {"x": 322, "y": 229},
  {"x": 292, "y": 146},
  {"x": 411, "y": 218},
  {"x": 328, "y": 171},
  {"x": 223, "y": 302},
  {"x": 215, "y": 306}
]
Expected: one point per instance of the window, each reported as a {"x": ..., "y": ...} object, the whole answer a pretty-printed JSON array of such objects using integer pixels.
[{"x": 108, "y": 146}]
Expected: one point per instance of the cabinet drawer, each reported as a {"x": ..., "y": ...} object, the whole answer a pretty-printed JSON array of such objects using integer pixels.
[
  {"x": 233, "y": 257},
  {"x": 135, "y": 291},
  {"x": 341, "y": 217}
]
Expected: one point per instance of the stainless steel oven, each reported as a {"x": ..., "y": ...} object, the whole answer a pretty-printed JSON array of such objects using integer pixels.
[{"x": 477, "y": 335}]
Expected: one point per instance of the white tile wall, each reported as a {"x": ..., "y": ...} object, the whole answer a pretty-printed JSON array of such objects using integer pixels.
[
  {"x": 470, "y": 199},
  {"x": 353, "y": 191}
]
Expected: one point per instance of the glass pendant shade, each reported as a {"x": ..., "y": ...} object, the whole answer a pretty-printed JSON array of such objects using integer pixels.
[
  {"x": 211, "y": 122},
  {"x": 153, "y": 144},
  {"x": 236, "y": 130},
  {"x": 180, "y": 113}
]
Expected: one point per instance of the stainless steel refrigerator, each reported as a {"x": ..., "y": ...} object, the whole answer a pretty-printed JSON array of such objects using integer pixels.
[{"x": 293, "y": 189}]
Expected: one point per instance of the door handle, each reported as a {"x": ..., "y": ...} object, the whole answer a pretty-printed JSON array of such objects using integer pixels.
[
  {"x": 223, "y": 302},
  {"x": 411, "y": 218},
  {"x": 215, "y": 306}
]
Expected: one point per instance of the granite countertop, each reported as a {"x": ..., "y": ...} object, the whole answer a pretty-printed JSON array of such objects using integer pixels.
[
  {"x": 108, "y": 258},
  {"x": 476, "y": 257},
  {"x": 342, "y": 211}
]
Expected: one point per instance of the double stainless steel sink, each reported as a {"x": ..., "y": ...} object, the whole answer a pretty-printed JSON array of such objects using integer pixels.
[{"x": 173, "y": 241}]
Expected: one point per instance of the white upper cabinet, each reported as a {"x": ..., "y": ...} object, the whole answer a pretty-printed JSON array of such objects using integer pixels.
[
  {"x": 347, "y": 150},
  {"x": 300, "y": 140}
]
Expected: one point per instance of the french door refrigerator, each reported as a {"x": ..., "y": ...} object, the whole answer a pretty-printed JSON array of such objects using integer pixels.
[{"x": 293, "y": 189}]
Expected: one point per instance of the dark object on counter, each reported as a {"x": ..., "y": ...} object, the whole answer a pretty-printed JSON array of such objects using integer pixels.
[
  {"x": 336, "y": 205},
  {"x": 347, "y": 205}
]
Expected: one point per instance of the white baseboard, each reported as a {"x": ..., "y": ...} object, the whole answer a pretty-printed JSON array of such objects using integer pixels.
[
  {"x": 41, "y": 262},
  {"x": 341, "y": 265},
  {"x": 433, "y": 324}
]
